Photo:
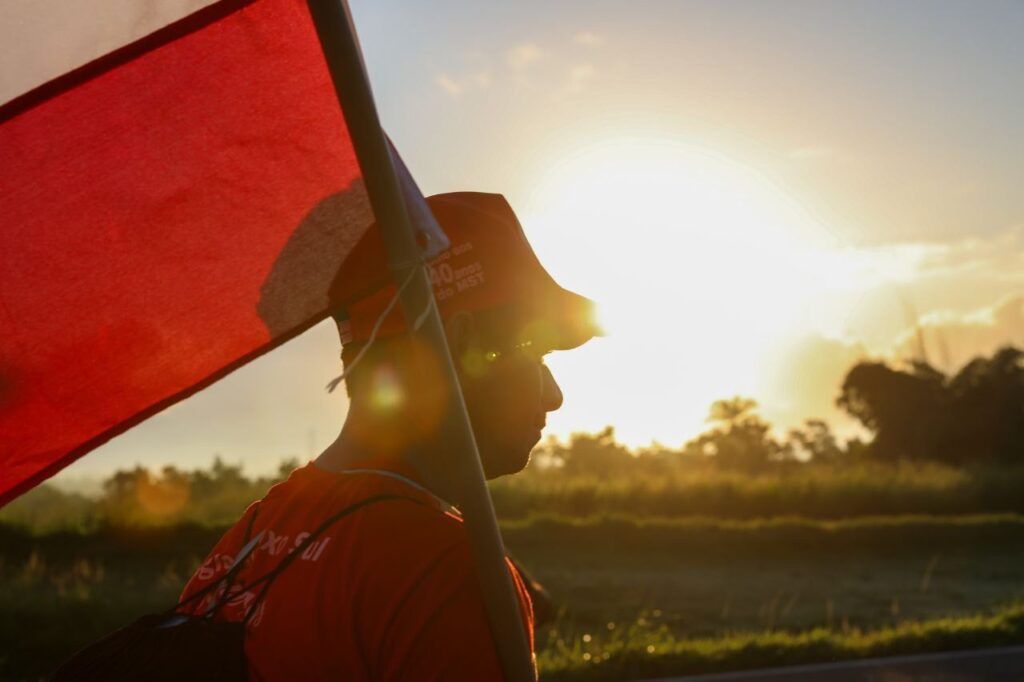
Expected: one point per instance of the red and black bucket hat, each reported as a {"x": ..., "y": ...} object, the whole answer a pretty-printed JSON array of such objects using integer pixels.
[{"x": 488, "y": 266}]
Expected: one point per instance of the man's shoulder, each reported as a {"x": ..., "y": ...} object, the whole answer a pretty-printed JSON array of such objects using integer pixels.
[
  {"x": 311, "y": 485},
  {"x": 374, "y": 529},
  {"x": 405, "y": 543},
  {"x": 389, "y": 513},
  {"x": 412, "y": 527}
]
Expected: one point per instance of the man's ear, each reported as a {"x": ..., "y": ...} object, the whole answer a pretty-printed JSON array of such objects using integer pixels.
[{"x": 461, "y": 331}]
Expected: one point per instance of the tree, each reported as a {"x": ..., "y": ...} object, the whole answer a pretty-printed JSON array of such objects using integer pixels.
[
  {"x": 740, "y": 438},
  {"x": 906, "y": 410},
  {"x": 591, "y": 453},
  {"x": 817, "y": 440},
  {"x": 988, "y": 398},
  {"x": 919, "y": 413},
  {"x": 136, "y": 496}
]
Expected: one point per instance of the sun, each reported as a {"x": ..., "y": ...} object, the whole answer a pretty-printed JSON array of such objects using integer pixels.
[
  {"x": 700, "y": 264},
  {"x": 649, "y": 219}
]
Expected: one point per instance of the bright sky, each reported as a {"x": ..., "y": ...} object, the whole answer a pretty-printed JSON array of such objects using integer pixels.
[{"x": 757, "y": 194}]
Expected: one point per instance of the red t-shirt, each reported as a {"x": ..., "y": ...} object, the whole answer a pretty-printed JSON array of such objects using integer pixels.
[{"x": 388, "y": 592}]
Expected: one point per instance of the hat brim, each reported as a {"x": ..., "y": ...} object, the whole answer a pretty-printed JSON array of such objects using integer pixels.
[
  {"x": 574, "y": 322},
  {"x": 556, "y": 319}
]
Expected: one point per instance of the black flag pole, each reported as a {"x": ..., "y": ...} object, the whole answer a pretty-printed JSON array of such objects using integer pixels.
[{"x": 338, "y": 40}]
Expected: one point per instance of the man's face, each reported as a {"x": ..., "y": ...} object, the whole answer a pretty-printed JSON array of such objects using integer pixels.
[{"x": 509, "y": 392}]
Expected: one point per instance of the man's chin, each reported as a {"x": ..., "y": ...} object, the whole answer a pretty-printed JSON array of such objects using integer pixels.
[{"x": 512, "y": 461}]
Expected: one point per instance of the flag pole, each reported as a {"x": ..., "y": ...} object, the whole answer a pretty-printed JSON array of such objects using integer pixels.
[{"x": 340, "y": 46}]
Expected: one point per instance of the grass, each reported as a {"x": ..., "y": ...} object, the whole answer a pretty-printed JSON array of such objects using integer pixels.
[
  {"x": 706, "y": 594},
  {"x": 645, "y": 650},
  {"x": 51, "y": 608},
  {"x": 707, "y": 578},
  {"x": 651, "y": 487},
  {"x": 810, "y": 491}
]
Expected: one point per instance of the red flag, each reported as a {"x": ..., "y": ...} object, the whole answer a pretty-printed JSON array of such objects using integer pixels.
[{"x": 167, "y": 213}]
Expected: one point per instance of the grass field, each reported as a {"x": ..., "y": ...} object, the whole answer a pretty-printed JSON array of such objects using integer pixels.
[
  {"x": 635, "y": 598},
  {"x": 641, "y": 652},
  {"x": 677, "y": 488},
  {"x": 650, "y": 487}
]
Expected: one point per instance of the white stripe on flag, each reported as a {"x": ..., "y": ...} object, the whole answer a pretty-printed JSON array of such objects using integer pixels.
[{"x": 43, "y": 39}]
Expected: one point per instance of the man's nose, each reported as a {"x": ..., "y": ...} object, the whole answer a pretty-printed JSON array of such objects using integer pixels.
[{"x": 551, "y": 394}]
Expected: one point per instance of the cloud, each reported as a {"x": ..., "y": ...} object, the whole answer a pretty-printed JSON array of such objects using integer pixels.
[
  {"x": 477, "y": 72},
  {"x": 813, "y": 153},
  {"x": 808, "y": 373},
  {"x": 805, "y": 381},
  {"x": 449, "y": 85},
  {"x": 523, "y": 55},
  {"x": 966, "y": 295},
  {"x": 519, "y": 62},
  {"x": 996, "y": 258},
  {"x": 588, "y": 38},
  {"x": 948, "y": 340},
  {"x": 1000, "y": 254},
  {"x": 457, "y": 86}
]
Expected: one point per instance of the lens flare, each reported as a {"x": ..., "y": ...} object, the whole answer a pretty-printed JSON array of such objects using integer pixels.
[
  {"x": 161, "y": 497},
  {"x": 387, "y": 393}
]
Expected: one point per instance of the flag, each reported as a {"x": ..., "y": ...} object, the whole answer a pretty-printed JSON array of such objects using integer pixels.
[{"x": 168, "y": 212}]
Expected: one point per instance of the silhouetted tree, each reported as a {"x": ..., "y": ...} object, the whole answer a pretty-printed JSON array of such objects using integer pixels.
[
  {"x": 285, "y": 468},
  {"x": 976, "y": 416},
  {"x": 905, "y": 409},
  {"x": 740, "y": 438},
  {"x": 988, "y": 399},
  {"x": 591, "y": 453},
  {"x": 817, "y": 441},
  {"x": 137, "y": 496}
]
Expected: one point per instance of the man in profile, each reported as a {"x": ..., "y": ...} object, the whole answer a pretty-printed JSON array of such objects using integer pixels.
[{"x": 380, "y": 584}]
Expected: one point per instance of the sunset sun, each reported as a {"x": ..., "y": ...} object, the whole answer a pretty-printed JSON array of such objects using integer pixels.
[{"x": 700, "y": 264}]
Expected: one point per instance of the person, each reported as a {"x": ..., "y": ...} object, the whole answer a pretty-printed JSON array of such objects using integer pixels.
[{"x": 388, "y": 591}]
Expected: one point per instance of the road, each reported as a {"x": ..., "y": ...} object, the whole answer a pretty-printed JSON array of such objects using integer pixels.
[{"x": 982, "y": 665}]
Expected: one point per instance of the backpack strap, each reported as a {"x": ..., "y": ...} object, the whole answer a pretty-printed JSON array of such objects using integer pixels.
[
  {"x": 268, "y": 578},
  {"x": 248, "y": 545},
  {"x": 248, "y": 527},
  {"x": 232, "y": 572}
]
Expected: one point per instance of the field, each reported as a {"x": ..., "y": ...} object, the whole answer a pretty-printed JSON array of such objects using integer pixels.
[
  {"x": 636, "y": 597},
  {"x": 641, "y": 488},
  {"x": 652, "y": 488},
  {"x": 656, "y": 564},
  {"x": 673, "y": 597}
]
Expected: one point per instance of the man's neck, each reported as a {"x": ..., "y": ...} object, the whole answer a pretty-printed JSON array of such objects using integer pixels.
[{"x": 354, "y": 449}]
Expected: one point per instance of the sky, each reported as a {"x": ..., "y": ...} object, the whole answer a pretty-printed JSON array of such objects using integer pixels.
[{"x": 757, "y": 194}]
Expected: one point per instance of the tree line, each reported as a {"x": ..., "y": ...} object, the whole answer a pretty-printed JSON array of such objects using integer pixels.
[
  {"x": 913, "y": 414},
  {"x": 974, "y": 417}
]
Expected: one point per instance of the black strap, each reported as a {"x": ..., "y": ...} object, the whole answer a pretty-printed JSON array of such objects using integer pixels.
[
  {"x": 229, "y": 576},
  {"x": 236, "y": 569},
  {"x": 268, "y": 578},
  {"x": 248, "y": 528}
]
